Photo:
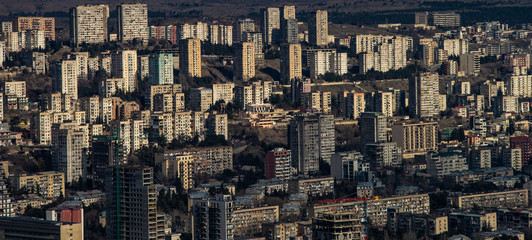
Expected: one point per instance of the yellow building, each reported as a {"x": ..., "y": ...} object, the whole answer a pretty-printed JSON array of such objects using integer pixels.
[
  {"x": 291, "y": 62},
  {"x": 506, "y": 199},
  {"x": 181, "y": 166},
  {"x": 49, "y": 184},
  {"x": 190, "y": 57},
  {"x": 248, "y": 222},
  {"x": 244, "y": 61}
]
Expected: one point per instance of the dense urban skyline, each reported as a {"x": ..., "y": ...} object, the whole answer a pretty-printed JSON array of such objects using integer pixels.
[{"x": 285, "y": 121}]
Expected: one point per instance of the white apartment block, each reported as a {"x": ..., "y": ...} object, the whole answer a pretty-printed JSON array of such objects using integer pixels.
[
  {"x": 222, "y": 92},
  {"x": 15, "y": 89},
  {"x": 65, "y": 79},
  {"x": 387, "y": 55},
  {"x": 124, "y": 65},
  {"x": 132, "y": 22},
  {"x": 221, "y": 34},
  {"x": 455, "y": 47},
  {"x": 199, "y": 30},
  {"x": 89, "y": 24},
  {"x": 111, "y": 86},
  {"x": 321, "y": 61}
]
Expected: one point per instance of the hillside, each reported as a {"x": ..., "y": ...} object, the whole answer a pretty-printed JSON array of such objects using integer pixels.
[{"x": 220, "y": 8}]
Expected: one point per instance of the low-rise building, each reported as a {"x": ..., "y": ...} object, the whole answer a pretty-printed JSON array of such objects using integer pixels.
[
  {"x": 505, "y": 199},
  {"x": 315, "y": 186}
]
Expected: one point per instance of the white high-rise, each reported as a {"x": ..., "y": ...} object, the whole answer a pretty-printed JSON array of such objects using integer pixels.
[
  {"x": 124, "y": 65},
  {"x": 132, "y": 21}
]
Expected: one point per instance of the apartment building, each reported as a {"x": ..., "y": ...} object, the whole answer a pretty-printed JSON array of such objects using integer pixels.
[
  {"x": 244, "y": 61},
  {"x": 44, "y": 24},
  {"x": 312, "y": 186},
  {"x": 248, "y": 221},
  {"x": 270, "y": 25},
  {"x": 377, "y": 208},
  {"x": 65, "y": 78},
  {"x": 124, "y": 65},
  {"x": 190, "y": 57},
  {"x": 311, "y": 139},
  {"x": 207, "y": 160},
  {"x": 201, "y": 99},
  {"x": 132, "y": 22},
  {"x": 50, "y": 184},
  {"x": 318, "y": 28},
  {"x": 69, "y": 145},
  {"x": 337, "y": 226},
  {"x": 503, "y": 199},
  {"x": 278, "y": 164},
  {"x": 88, "y": 24},
  {"x": 134, "y": 206},
  {"x": 221, "y": 34},
  {"x": 291, "y": 62},
  {"x": 222, "y": 92},
  {"x": 416, "y": 137}
]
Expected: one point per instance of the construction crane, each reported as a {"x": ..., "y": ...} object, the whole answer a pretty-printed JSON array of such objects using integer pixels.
[{"x": 364, "y": 219}]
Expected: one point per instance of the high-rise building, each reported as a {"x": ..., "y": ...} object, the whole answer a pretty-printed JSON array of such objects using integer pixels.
[
  {"x": 132, "y": 21},
  {"x": 161, "y": 69},
  {"x": 178, "y": 167},
  {"x": 212, "y": 218},
  {"x": 223, "y": 92},
  {"x": 221, "y": 34},
  {"x": 288, "y": 12},
  {"x": 318, "y": 28},
  {"x": 7, "y": 28},
  {"x": 383, "y": 155},
  {"x": 88, "y": 24},
  {"x": 143, "y": 66},
  {"x": 132, "y": 204},
  {"x": 480, "y": 158},
  {"x": 270, "y": 25},
  {"x": 69, "y": 144},
  {"x": 373, "y": 128},
  {"x": 39, "y": 62},
  {"x": 124, "y": 65},
  {"x": 244, "y": 61},
  {"x": 311, "y": 140},
  {"x": 6, "y": 206},
  {"x": 424, "y": 94},
  {"x": 65, "y": 78},
  {"x": 278, "y": 164},
  {"x": 337, "y": 226},
  {"x": 291, "y": 62},
  {"x": 45, "y": 24},
  {"x": 256, "y": 38},
  {"x": 242, "y": 26},
  {"x": 190, "y": 57},
  {"x": 470, "y": 64},
  {"x": 35, "y": 39},
  {"x": 352, "y": 104},
  {"x": 321, "y": 61},
  {"x": 289, "y": 31},
  {"x": 217, "y": 125},
  {"x": 511, "y": 157},
  {"x": 386, "y": 55},
  {"x": 416, "y": 137},
  {"x": 455, "y": 47},
  {"x": 200, "y": 99}
]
